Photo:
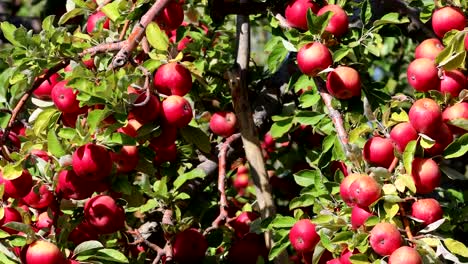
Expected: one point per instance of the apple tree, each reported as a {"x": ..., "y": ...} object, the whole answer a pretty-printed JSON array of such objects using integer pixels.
[{"x": 184, "y": 131}]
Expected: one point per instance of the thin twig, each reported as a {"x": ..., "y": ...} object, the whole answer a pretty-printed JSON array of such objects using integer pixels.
[
  {"x": 406, "y": 223},
  {"x": 103, "y": 47}
]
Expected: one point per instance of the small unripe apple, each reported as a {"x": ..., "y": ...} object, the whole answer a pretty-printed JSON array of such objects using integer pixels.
[
  {"x": 338, "y": 24},
  {"x": 364, "y": 191},
  {"x": 405, "y": 255},
  {"x": 429, "y": 48},
  {"x": 447, "y": 18},
  {"x": 70, "y": 186},
  {"x": 426, "y": 175},
  {"x": 65, "y": 98},
  {"x": 385, "y": 238},
  {"x": 425, "y": 116},
  {"x": 148, "y": 112},
  {"x": 39, "y": 197},
  {"x": 93, "y": 19},
  {"x": 423, "y": 75},
  {"x": 171, "y": 17},
  {"x": 18, "y": 187},
  {"x": 296, "y": 12},
  {"x": 41, "y": 252},
  {"x": 223, "y": 123},
  {"x": 104, "y": 214},
  {"x": 177, "y": 111},
  {"x": 452, "y": 82},
  {"x": 359, "y": 215},
  {"x": 173, "y": 79},
  {"x": 378, "y": 151},
  {"x": 428, "y": 210},
  {"x": 402, "y": 134},
  {"x": 344, "y": 82},
  {"x": 344, "y": 187},
  {"x": 313, "y": 58},
  {"x": 45, "y": 88},
  {"x": 241, "y": 223},
  {"x": 126, "y": 159},
  {"x": 454, "y": 112},
  {"x": 92, "y": 162},
  {"x": 303, "y": 236},
  {"x": 442, "y": 140},
  {"x": 10, "y": 215},
  {"x": 189, "y": 246}
]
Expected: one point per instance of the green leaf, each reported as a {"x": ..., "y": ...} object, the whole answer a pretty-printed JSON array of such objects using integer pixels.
[
  {"x": 342, "y": 237},
  {"x": 359, "y": 259},
  {"x": 71, "y": 14},
  {"x": 391, "y": 209},
  {"x": 342, "y": 53},
  {"x": 457, "y": 148},
  {"x": 193, "y": 174},
  {"x": 276, "y": 57},
  {"x": 306, "y": 177},
  {"x": 54, "y": 145},
  {"x": 148, "y": 206},
  {"x": 47, "y": 23},
  {"x": 87, "y": 246},
  {"x": 21, "y": 227},
  {"x": 391, "y": 18},
  {"x": 409, "y": 182},
  {"x": 181, "y": 196},
  {"x": 309, "y": 99},
  {"x": 95, "y": 118},
  {"x": 160, "y": 187},
  {"x": 156, "y": 37},
  {"x": 456, "y": 247},
  {"x": 452, "y": 173},
  {"x": 112, "y": 10},
  {"x": 13, "y": 170},
  {"x": 9, "y": 33},
  {"x": 305, "y": 200},
  {"x": 282, "y": 222},
  {"x": 120, "y": 139},
  {"x": 110, "y": 254},
  {"x": 426, "y": 142},
  {"x": 196, "y": 136},
  {"x": 67, "y": 133},
  {"x": 453, "y": 55},
  {"x": 279, "y": 247},
  {"x": 45, "y": 119},
  {"x": 279, "y": 128},
  {"x": 460, "y": 122},
  {"x": 318, "y": 24},
  {"x": 408, "y": 156},
  {"x": 308, "y": 117}
]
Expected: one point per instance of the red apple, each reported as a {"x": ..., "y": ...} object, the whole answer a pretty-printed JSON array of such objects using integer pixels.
[
  {"x": 423, "y": 75},
  {"x": 223, "y": 123},
  {"x": 452, "y": 82},
  {"x": 344, "y": 187},
  {"x": 148, "y": 112},
  {"x": 296, "y": 12},
  {"x": 425, "y": 116},
  {"x": 70, "y": 186},
  {"x": 334, "y": 261},
  {"x": 189, "y": 246},
  {"x": 345, "y": 255},
  {"x": 344, "y": 83},
  {"x": 241, "y": 223},
  {"x": 402, "y": 134},
  {"x": 65, "y": 98},
  {"x": 18, "y": 129},
  {"x": 313, "y": 58},
  {"x": 171, "y": 16},
  {"x": 429, "y": 48},
  {"x": 104, "y": 214},
  {"x": 466, "y": 42},
  {"x": 385, "y": 238},
  {"x": 92, "y": 162},
  {"x": 165, "y": 153},
  {"x": 167, "y": 137},
  {"x": 338, "y": 165},
  {"x": 13, "y": 142},
  {"x": 18, "y": 187},
  {"x": 131, "y": 128},
  {"x": 428, "y": 210},
  {"x": 177, "y": 111},
  {"x": 338, "y": 24},
  {"x": 45, "y": 88},
  {"x": 82, "y": 232},
  {"x": 39, "y": 197},
  {"x": 442, "y": 140},
  {"x": 303, "y": 236},
  {"x": 93, "y": 20},
  {"x": 378, "y": 151},
  {"x": 359, "y": 215},
  {"x": 405, "y": 255},
  {"x": 454, "y": 112},
  {"x": 126, "y": 159},
  {"x": 44, "y": 221},
  {"x": 426, "y": 175},
  {"x": 241, "y": 181},
  {"x": 447, "y": 18},
  {"x": 39, "y": 153},
  {"x": 10, "y": 215},
  {"x": 41, "y": 252},
  {"x": 364, "y": 191},
  {"x": 248, "y": 250},
  {"x": 173, "y": 79}
]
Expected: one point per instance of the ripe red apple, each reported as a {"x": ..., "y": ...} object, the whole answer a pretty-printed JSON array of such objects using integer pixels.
[
  {"x": 93, "y": 19},
  {"x": 313, "y": 58},
  {"x": 338, "y": 165},
  {"x": 241, "y": 181},
  {"x": 429, "y": 48},
  {"x": 442, "y": 140},
  {"x": 344, "y": 82},
  {"x": 334, "y": 261},
  {"x": 364, "y": 191},
  {"x": 10, "y": 215},
  {"x": 39, "y": 153},
  {"x": 131, "y": 128},
  {"x": 344, "y": 187},
  {"x": 269, "y": 143},
  {"x": 454, "y": 112},
  {"x": 148, "y": 112},
  {"x": 428, "y": 210},
  {"x": 345, "y": 255},
  {"x": 303, "y": 236},
  {"x": 70, "y": 186},
  {"x": 402, "y": 134},
  {"x": 18, "y": 129},
  {"x": 452, "y": 82},
  {"x": 426, "y": 175},
  {"x": 405, "y": 255},
  {"x": 223, "y": 123},
  {"x": 45, "y": 88},
  {"x": 173, "y": 79},
  {"x": 338, "y": 24},
  {"x": 385, "y": 238},
  {"x": 82, "y": 232},
  {"x": 44, "y": 221},
  {"x": 18, "y": 187},
  {"x": 189, "y": 246},
  {"x": 126, "y": 159},
  {"x": 248, "y": 250},
  {"x": 65, "y": 98},
  {"x": 378, "y": 151},
  {"x": 296, "y": 12},
  {"x": 359, "y": 215},
  {"x": 104, "y": 214},
  {"x": 92, "y": 162},
  {"x": 171, "y": 17},
  {"x": 39, "y": 197},
  {"x": 41, "y": 252},
  {"x": 241, "y": 223},
  {"x": 425, "y": 116},
  {"x": 13, "y": 143},
  {"x": 167, "y": 137},
  {"x": 447, "y": 18},
  {"x": 165, "y": 153},
  {"x": 423, "y": 75},
  {"x": 177, "y": 111}
]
